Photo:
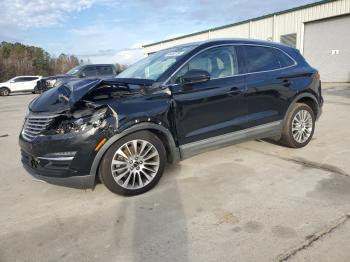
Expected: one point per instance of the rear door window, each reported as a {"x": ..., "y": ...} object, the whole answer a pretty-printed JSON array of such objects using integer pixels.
[
  {"x": 90, "y": 71},
  {"x": 259, "y": 58},
  {"x": 32, "y": 78},
  {"x": 105, "y": 70}
]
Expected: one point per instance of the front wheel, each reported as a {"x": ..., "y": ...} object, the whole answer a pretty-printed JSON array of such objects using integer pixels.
[
  {"x": 299, "y": 126},
  {"x": 36, "y": 90},
  {"x": 134, "y": 164}
]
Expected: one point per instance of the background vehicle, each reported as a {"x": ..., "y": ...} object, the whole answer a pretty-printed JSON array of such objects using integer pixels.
[
  {"x": 19, "y": 84},
  {"x": 83, "y": 71},
  {"x": 169, "y": 106}
]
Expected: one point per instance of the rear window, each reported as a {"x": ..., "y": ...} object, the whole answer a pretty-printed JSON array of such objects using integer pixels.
[
  {"x": 260, "y": 58},
  {"x": 283, "y": 59}
]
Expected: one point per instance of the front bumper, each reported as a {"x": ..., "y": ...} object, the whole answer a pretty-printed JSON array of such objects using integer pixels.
[
  {"x": 87, "y": 181},
  {"x": 41, "y": 158}
]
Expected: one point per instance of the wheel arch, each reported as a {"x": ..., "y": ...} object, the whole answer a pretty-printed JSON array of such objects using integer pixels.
[
  {"x": 173, "y": 153},
  {"x": 5, "y": 87},
  {"x": 308, "y": 99}
]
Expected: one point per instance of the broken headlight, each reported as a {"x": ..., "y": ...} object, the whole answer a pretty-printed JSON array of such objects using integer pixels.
[{"x": 82, "y": 121}]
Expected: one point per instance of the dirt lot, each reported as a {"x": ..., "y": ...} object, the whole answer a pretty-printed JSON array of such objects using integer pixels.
[{"x": 255, "y": 201}]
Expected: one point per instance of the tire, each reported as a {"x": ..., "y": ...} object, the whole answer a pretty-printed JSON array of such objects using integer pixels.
[
  {"x": 132, "y": 173},
  {"x": 298, "y": 127},
  {"x": 4, "y": 91},
  {"x": 36, "y": 90}
]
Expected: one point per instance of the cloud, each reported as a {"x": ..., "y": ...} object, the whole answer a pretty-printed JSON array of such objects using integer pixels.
[
  {"x": 101, "y": 53},
  {"x": 128, "y": 56},
  {"x": 38, "y": 13},
  {"x": 111, "y": 30}
]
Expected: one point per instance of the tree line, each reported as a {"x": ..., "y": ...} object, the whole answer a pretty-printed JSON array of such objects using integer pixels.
[{"x": 19, "y": 59}]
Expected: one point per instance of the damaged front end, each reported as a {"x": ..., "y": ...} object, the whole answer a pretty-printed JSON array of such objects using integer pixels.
[
  {"x": 63, "y": 111},
  {"x": 66, "y": 126},
  {"x": 85, "y": 119}
]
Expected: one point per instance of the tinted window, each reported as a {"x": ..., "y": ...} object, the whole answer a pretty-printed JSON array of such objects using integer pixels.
[
  {"x": 219, "y": 62},
  {"x": 24, "y": 79},
  {"x": 90, "y": 71},
  {"x": 31, "y": 78},
  {"x": 260, "y": 59},
  {"x": 283, "y": 59},
  {"x": 105, "y": 70}
]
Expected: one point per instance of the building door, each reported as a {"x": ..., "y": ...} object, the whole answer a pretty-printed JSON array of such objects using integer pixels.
[{"x": 327, "y": 48}]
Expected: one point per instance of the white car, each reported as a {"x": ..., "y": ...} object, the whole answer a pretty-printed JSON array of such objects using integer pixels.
[{"x": 19, "y": 84}]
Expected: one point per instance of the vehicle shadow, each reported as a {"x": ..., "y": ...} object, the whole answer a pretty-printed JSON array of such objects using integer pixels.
[
  {"x": 270, "y": 141},
  {"x": 157, "y": 222},
  {"x": 18, "y": 94}
]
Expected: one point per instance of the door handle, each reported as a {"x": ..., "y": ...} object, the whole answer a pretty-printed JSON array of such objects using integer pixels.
[
  {"x": 234, "y": 91},
  {"x": 286, "y": 82}
]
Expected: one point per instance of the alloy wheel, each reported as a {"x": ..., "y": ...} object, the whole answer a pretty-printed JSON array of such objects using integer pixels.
[
  {"x": 135, "y": 164},
  {"x": 302, "y": 126}
]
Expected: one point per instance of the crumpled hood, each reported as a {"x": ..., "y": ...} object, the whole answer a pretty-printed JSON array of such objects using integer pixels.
[{"x": 66, "y": 96}]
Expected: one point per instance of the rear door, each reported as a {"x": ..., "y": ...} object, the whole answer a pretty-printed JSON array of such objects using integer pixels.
[
  {"x": 17, "y": 84},
  {"x": 269, "y": 73},
  {"x": 212, "y": 108}
]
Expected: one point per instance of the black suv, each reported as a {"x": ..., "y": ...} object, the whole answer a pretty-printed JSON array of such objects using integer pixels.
[
  {"x": 169, "y": 106},
  {"x": 91, "y": 71}
]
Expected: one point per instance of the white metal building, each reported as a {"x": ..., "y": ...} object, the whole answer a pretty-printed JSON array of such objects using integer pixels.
[{"x": 321, "y": 31}]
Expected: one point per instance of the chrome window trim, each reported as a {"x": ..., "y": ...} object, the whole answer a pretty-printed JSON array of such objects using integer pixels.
[{"x": 232, "y": 44}]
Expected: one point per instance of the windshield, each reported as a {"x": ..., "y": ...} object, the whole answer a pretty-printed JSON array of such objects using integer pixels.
[
  {"x": 153, "y": 66},
  {"x": 74, "y": 70}
]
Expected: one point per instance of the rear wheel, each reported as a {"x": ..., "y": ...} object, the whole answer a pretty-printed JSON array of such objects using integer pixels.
[
  {"x": 4, "y": 91},
  {"x": 134, "y": 164},
  {"x": 299, "y": 126}
]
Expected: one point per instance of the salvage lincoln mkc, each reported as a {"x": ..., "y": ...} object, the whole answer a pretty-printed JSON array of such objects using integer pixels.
[{"x": 169, "y": 106}]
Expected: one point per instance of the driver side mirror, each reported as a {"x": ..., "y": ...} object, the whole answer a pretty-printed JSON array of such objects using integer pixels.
[{"x": 194, "y": 76}]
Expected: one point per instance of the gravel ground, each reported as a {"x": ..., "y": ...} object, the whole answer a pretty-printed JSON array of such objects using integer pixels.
[{"x": 255, "y": 201}]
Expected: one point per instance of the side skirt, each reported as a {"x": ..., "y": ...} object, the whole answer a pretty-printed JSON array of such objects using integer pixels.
[{"x": 258, "y": 132}]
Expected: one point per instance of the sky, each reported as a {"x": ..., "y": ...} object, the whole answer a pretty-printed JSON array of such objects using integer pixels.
[{"x": 110, "y": 31}]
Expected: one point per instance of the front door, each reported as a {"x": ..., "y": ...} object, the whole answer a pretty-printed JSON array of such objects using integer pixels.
[
  {"x": 211, "y": 108},
  {"x": 17, "y": 84}
]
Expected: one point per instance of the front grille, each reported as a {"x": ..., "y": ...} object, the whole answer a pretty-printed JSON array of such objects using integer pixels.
[
  {"x": 34, "y": 125},
  {"x": 42, "y": 85}
]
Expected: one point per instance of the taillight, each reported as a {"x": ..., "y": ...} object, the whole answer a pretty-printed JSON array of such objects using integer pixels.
[{"x": 317, "y": 75}]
